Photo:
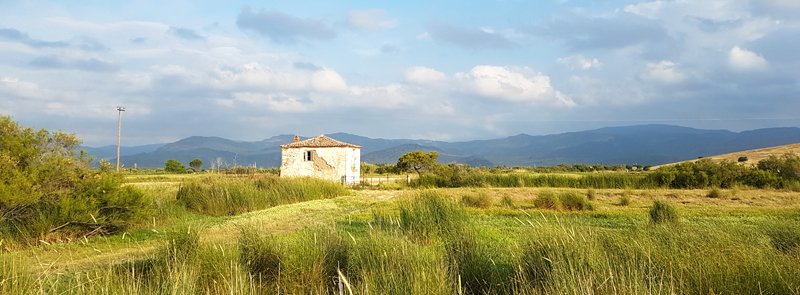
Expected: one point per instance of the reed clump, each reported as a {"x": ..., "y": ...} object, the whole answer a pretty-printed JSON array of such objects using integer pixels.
[{"x": 221, "y": 197}]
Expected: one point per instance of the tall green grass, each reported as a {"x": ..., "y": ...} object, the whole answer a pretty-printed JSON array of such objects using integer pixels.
[
  {"x": 220, "y": 197},
  {"x": 591, "y": 180},
  {"x": 652, "y": 260},
  {"x": 437, "y": 247}
]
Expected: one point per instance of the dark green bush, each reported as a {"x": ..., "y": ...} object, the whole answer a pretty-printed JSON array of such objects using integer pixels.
[{"x": 48, "y": 192}]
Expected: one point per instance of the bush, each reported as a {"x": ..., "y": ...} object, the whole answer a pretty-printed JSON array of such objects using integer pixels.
[
  {"x": 547, "y": 200},
  {"x": 48, "y": 192},
  {"x": 174, "y": 166},
  {"x": 742, "y": 159},
  {"x": 663, "y": 212}
]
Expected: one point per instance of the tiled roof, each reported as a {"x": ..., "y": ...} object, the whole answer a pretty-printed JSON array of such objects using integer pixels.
[{"x": 319, "y": 142}]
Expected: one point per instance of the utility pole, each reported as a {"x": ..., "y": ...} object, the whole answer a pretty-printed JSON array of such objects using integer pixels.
[{"x": 119, "y": 128}]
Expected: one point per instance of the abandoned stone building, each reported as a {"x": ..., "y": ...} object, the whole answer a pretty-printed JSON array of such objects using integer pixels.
[{"x": 321, "y": 157}]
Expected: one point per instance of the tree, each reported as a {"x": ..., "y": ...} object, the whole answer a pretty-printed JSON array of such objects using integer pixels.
[
  {"x": 418, "y": 161},
  {"x": 47, "y": 190},
  {"x": 174, "y": 166},
  {"x": 742, "y": 159},
  {"x": 196, "y": 164}
]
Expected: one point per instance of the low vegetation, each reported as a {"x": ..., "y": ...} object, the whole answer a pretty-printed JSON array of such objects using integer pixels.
[
  {"x": 222, "y": 196},
  {"x": 698, "y": 228}
]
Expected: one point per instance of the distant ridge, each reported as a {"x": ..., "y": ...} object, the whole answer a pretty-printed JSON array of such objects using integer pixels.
[
  {"x": 753, "y": 156},
  {"x": 640, "y": 144}
]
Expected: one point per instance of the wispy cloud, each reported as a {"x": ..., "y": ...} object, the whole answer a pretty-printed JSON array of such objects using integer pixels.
[{"x": 281, "y": 27}]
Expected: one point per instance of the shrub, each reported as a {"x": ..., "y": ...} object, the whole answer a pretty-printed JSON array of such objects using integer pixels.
[
  {"x": 547, "y": 200},
  {"x": 663, "y": 212},
  {"x": 481, "y": 200},
  {"x": 742, "y": 159}
]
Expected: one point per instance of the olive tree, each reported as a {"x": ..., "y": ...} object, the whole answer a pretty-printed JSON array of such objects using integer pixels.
[
  {"x": 417, "y": 160},
  {"x": 196, "y": 164}
]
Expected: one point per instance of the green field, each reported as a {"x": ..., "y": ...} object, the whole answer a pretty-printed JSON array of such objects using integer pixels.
[{"x": 422, "y": 241}]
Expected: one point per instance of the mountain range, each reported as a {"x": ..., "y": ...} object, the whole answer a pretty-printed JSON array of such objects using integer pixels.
[{"x": 640, "y": 144}]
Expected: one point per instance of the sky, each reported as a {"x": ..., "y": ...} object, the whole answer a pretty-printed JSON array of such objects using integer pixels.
[{"x": 438, "y": 70}]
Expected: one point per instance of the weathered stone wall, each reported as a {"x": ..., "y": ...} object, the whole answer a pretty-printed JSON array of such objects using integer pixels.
[{"x": 328, "y": 163}]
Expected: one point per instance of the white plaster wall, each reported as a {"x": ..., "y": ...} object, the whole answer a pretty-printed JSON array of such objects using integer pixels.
[
  {"x": 353, "y": 169},
  {"x": 328, "y": 163}
]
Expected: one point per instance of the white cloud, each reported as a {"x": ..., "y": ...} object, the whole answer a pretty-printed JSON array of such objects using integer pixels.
[
  {"x": 744, "y": 59},
  {"x": 328, "y": 80},
  {"x": 370, "y": 19},
  {"x": 579, "y": 61},
  {"x": 423, "y": 75},
  {"x": 664, "y": 72},
  {"x": 710, "y": 9},
  {"x": 23, "y": 89},
  {"x": 509, "y": 84},
  {"x": 274, "y": 102}
]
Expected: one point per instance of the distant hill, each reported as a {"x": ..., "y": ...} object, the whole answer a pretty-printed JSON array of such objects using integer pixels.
[
  {"x": 753, "y": 156},
  {"x": 641, "y": 144}
]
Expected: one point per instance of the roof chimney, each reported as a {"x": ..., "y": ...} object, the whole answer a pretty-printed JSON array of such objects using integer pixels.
[{"x": 296, "y": 138}]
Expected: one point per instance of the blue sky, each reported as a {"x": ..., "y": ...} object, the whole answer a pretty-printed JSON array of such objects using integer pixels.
[{"x": 442, "y": 70}]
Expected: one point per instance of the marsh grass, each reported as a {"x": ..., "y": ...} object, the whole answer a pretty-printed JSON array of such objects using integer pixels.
[
  {"x": 547, "y": 199},
  {"x": 455, "y": 250},
  {"x": 651, "y": 260},
  {"x": 624, "y": 200},
  {"x": 477, "y": 200},
  {"x": 567, "y": 200},
  {"x": 431, "y": 213},
  {"x": 715, "y": 193},
  {"x": 507, "y": 202},
  {"x": 663, "y": 212},
  {"x": 220, "y": 197}
]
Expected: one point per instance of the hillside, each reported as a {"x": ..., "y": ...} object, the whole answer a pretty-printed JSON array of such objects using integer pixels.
[
  {"x": 642, "y": 144},
  {"x": 753, "y": 156}
]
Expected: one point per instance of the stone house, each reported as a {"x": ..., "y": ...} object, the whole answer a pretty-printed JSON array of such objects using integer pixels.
[{"x": 321, "y": 157}]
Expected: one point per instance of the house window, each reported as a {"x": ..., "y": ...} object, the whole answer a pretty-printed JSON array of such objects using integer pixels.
[{"x": 307, "y": 156}]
